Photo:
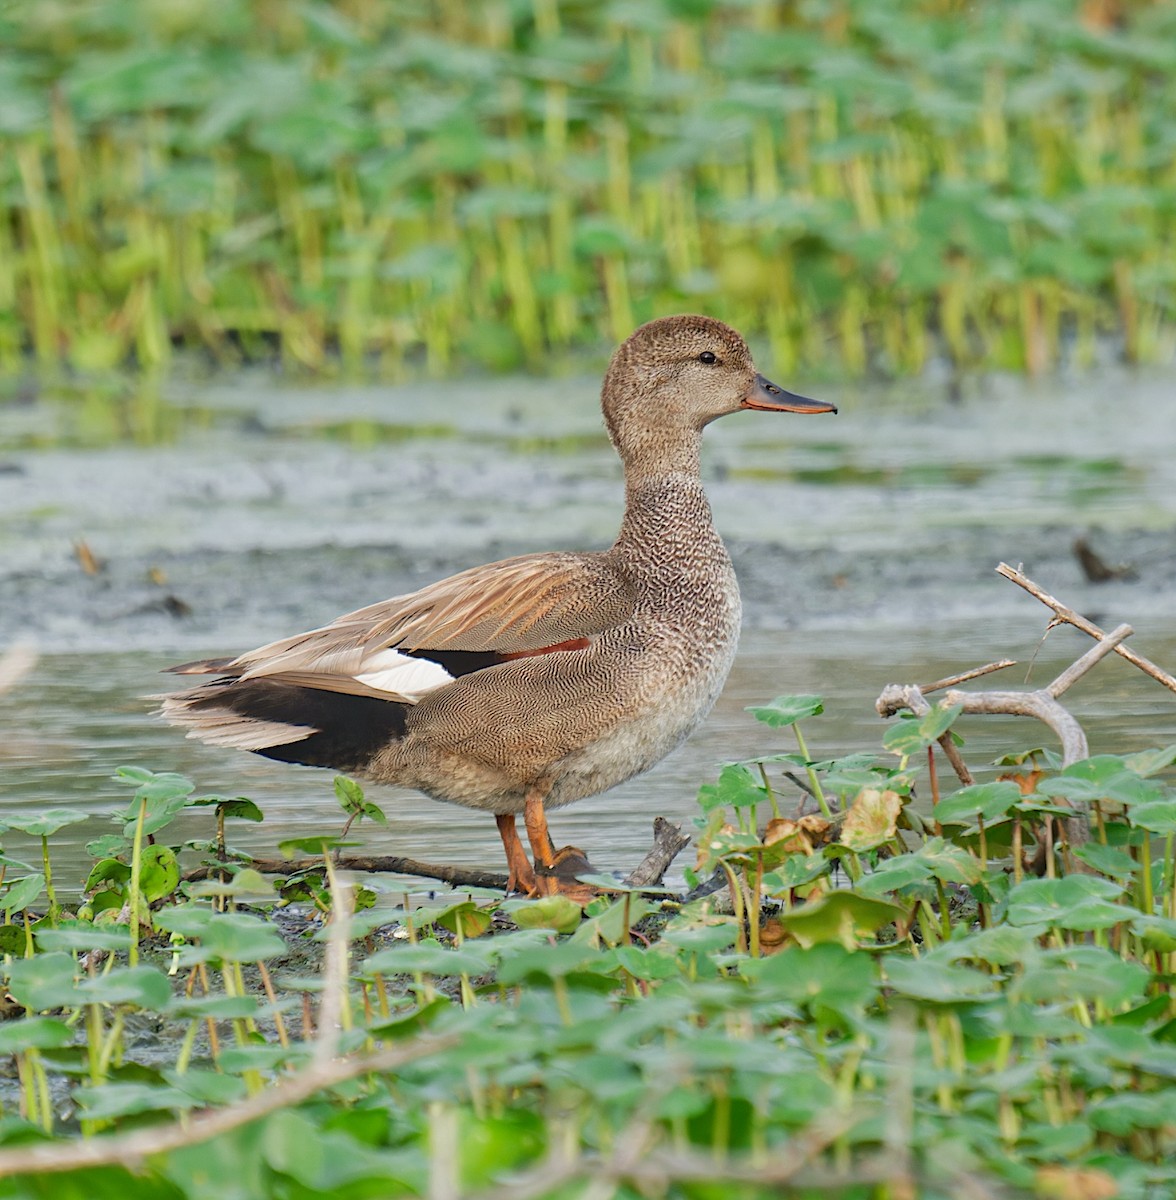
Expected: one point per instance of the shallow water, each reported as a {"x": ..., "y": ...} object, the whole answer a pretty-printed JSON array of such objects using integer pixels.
[{"x": 232, "y": 512}]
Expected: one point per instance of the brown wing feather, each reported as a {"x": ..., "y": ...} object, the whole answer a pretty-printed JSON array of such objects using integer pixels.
[{"x": 516, "y": 605}]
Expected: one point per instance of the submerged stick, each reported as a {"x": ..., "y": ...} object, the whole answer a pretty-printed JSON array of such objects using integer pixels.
[{"x": 1070, "y": 617}]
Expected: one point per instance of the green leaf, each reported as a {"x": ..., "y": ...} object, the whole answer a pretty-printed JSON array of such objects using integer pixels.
[
  {"x": 841, "y": 916},
  {"x": 825, "y": 978},
  {"x": 109, "y": 845},
  {"x": 236, "y": 937},
  {"x": 738, "y": 787},
  {"x": 911, "y": 734},
  {"x": 999, "y": 946},
  {"x": 82, "y": 936},
  {"x": 796, "y": 871},
  {"x": 107, "y": 870},
  {"x": 241, "y": 809},
  {"x": 292, "y": 847},
  {"x": 244, "y": 882},
  {"x": 40, "y": 1033},
  {"x": 1080, "y": 973},
  {"x": 938, "y": 721},
  {"x": 787, "y": 710},
  {"x": 159, "y": 872},
  {"x": 608, "y": 926},
  {"x": 545, "y": 961},
  {"x": 349, "y": 794},
  {"x": 22, "y": 892},
  {"x": 1103, "y": 777},
  {"x": 1107, "y": 860},
  {"x": 109, "y": 1100},
  {"x": 145, "y": 987},
  {"x": 929, "y": 978},
  {"x": 165, "y": 785},
  {"x": 431, "y": 958},
  {"x": 1157, "y": 816},
  {"x": 1150, "y": 762},
  {"x": 44, "y": 981},
  {"x": 1122, "y": 1114},
  {"x": 466, "y": 918},
  {"x": 44, "y": 823},
  {"x": 221, "y": 1008},
  {"x": 549, "y": 912},
  {"x": 158, "y": 812},
  {"x": 1079, "y": 902},
  {"x": 949, "y": 863},
  {"x": 1157, "y": 933},
  {"x": 987, "y": 801},
  {"x": 209, "y": 1087}
]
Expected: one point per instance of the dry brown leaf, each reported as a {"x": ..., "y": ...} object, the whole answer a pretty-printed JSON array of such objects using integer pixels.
[
  {"x": 773, "y": 936},
  {"x": 1025, "y": 780},
  {"x": 872, "y": 819},
  {"x": 786, "y": 836},
  {"x": 1075, "y": 1183},
  {"x": 87, "y": 559}
]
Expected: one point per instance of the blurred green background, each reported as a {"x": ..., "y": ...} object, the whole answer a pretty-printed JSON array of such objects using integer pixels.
[{"x": 391, "y": 186}]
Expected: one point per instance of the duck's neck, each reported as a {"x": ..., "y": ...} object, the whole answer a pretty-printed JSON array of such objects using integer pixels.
[{"x": 666, "y": 510}]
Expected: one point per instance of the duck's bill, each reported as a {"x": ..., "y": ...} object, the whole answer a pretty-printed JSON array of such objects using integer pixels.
[{"x": 770, "y": 396}]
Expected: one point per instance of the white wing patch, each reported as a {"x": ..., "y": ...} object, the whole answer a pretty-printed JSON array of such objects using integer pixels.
[{"x": 402, "y": 675}]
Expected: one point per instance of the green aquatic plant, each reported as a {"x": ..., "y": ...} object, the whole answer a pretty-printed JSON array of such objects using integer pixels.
[
  {"x": 914, "y": 994},
  {"x": 362, "y": 186}
]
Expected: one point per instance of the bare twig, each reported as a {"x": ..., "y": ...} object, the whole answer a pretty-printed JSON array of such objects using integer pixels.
[
  {"x": 914, "y": 700},
  {"x": 1075, "y": 671},
  {"x": 953, "y": 756},
  {"x": 333, "y": 1002},
  {"x": 1070, "y": 617},
  {"x": 964, "y": 676}
]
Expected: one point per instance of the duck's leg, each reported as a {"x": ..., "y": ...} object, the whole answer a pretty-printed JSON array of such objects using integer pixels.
[
  {"x": 555, "y": 870},
  {"x": 522, "y": 878}
]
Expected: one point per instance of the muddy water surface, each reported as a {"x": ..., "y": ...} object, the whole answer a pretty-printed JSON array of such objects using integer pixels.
[{"x": 229, "y": 512}]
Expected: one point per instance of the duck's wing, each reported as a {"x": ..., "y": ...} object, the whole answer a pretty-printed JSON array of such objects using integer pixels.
[{"x": 404, "y": 647}]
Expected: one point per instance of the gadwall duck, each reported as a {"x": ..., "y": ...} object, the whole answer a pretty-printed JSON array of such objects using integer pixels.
[{"x": 532, "y": 682}]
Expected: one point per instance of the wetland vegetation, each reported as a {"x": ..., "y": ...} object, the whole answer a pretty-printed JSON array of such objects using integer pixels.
[
  {"x": 902, "y": 989},
  {"x": 955, "y": 1004},
  {"x": 868, "y": 184}
]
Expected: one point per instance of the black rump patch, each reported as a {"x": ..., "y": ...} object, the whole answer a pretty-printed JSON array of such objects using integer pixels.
[{"x": 351, "y": 729}]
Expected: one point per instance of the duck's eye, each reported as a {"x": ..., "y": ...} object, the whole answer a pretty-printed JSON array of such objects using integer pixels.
[{"x": 707, "y": 357}]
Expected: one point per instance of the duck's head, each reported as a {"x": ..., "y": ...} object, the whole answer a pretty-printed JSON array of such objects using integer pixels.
[{"x": 683, "y": 372}]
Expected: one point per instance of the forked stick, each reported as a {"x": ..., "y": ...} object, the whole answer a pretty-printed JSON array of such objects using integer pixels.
[
  {"x": 1070, "y": 617},
  {"x": 1042, "y": 704}
]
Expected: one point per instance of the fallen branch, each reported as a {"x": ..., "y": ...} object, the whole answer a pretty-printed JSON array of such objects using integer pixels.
[
  {"x": 668, "y": 842},
  {"x": 1070, "y": 617},
  {"x": 1042, "y": 704},
  {"x": 374, "y": 864}
]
